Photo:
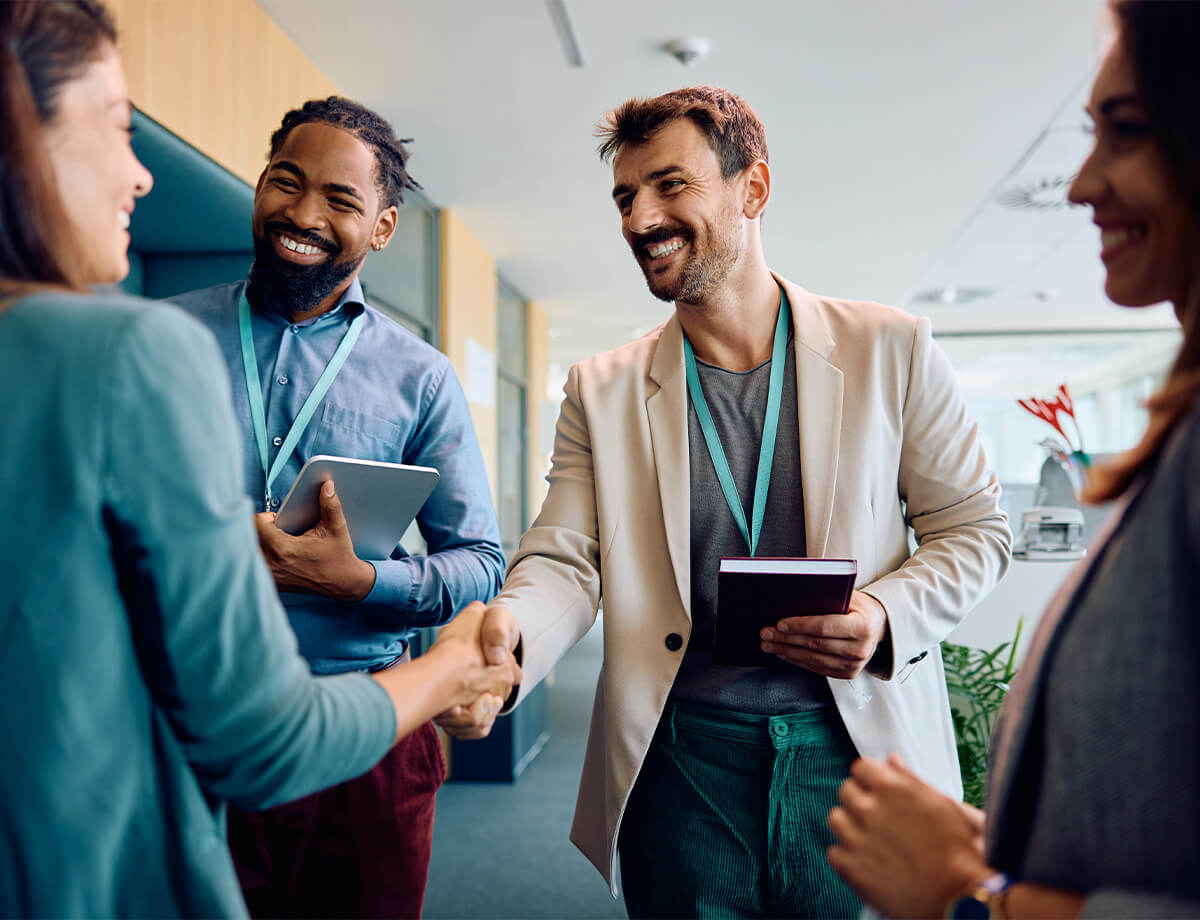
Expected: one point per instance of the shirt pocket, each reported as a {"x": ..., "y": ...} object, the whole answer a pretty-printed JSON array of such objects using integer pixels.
[{"x": 352, "y": 433}]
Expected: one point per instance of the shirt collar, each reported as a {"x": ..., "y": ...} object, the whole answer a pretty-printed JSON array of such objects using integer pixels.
[{"x": 349, "y": 305}]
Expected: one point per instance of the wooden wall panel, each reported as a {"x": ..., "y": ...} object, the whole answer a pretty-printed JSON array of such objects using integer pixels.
[
  {"x": 535, "y": 403},
  {"x": 468, "y": 311},
  {"x": 219, "y": 73}
]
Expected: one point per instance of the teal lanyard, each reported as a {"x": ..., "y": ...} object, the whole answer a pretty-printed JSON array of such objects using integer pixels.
[
  {"x": 254, "y": 387},
  {"x": 766, "y": 451}
]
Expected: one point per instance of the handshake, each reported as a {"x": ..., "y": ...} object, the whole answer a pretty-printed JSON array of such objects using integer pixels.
[{"x": 487, "y": 641}]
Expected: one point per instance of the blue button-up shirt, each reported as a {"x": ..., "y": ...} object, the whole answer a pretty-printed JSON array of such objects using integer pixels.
[{"x": 397, "y": 400}]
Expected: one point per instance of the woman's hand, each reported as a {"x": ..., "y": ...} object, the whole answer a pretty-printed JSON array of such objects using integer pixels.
[{"x": 905, "y": 848}]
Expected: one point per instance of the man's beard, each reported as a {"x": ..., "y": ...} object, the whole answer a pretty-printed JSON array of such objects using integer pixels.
[
  {"x": 285, "y": 287},
  {"x": 703, "y": 272}
]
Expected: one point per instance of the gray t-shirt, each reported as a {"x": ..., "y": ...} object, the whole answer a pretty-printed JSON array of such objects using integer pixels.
[{"x": 738, "y": 403}]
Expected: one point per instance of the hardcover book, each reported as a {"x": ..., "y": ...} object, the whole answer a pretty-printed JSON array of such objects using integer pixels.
[{"x": 756, "y": 592}]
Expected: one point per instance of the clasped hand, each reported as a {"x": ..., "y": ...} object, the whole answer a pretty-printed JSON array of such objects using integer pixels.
[
  {"x": 320, "y": 560},
  {"x": 497, "y": 636},
  {"x": 836, "y": 645},
  {"x": 490, "y": 673}
]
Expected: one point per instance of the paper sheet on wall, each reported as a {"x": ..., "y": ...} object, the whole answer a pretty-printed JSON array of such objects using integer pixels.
[{"x": 481, "y": 375}]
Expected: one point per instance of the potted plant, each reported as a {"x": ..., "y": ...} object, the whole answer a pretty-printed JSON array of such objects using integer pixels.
[{"x": 978, "y": 681}]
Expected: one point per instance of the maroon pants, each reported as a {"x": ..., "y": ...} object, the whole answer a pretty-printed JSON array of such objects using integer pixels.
[{"x": 360, "y": 849}]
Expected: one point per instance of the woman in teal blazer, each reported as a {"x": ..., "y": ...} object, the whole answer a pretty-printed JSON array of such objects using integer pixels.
[{"x": 147, "y": 671}]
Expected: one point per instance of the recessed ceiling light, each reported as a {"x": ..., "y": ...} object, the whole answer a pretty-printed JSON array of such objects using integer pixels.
[{"x": 952, "y": 295}]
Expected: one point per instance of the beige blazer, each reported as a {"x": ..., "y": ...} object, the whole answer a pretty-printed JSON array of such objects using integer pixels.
[{"x": 885, "y": 445}]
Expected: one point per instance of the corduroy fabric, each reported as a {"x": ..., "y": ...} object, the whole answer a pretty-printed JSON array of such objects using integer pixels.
[
  {"x": 359, "y": 849},
  {"x": 727, "y": 818}
]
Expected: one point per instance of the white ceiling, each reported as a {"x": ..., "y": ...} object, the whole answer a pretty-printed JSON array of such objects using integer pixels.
[{"x": 892, "y": 126}]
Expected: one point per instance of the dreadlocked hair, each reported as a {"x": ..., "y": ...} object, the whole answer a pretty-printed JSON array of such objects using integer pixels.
[{"x": 391, "y": 156}]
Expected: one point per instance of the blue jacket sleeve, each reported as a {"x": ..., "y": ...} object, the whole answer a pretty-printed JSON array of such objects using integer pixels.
[
  {"x": 212, "y": 638},
  {"x": 465, "y": 562}
]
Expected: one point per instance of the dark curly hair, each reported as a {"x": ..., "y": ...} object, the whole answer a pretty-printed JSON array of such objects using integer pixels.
[{"x": 391, "y": 156}]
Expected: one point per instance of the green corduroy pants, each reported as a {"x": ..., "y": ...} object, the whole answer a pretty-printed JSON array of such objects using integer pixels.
[{"x": 727, "y": 817}]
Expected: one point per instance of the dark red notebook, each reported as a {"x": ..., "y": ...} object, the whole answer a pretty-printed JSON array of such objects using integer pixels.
[{"x": 761, "y": 591}]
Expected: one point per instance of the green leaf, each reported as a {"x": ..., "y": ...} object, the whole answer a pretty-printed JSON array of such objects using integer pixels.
[{"x": 977, "y": 680}]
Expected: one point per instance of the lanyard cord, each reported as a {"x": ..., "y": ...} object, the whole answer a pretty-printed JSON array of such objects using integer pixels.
[
  {"x": 258, "y": 414},
  {"x": 766, "y": 452}
]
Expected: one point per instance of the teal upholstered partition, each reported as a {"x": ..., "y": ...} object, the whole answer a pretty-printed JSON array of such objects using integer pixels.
[{"x": 193, "y": 229}]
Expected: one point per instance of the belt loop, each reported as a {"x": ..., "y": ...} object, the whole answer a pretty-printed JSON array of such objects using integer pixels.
[{"x": 671, "y": 710}]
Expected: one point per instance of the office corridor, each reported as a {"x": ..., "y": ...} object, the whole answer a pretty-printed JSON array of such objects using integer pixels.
[{"x": 502, "y": 851}]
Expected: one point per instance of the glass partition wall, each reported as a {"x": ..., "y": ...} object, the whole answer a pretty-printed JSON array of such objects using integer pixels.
[
  {"x": 402, "y": 280},
  {"x": 1109, "y": 374},
  {"x": 512, "y": 372},
  {"x": 515, "y": 740}
]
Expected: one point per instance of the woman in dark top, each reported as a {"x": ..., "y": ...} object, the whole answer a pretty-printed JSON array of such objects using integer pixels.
[
  {"x": 1094, "y": 801},
  {"x": 147, "y": 671}
]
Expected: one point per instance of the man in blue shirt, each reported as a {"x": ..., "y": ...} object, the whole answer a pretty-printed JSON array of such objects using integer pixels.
[{"x": 328, "y": 196}]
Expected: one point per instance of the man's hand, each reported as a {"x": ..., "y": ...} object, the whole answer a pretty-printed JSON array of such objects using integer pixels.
[
  {"x": 837, "y": 645},
  {"x": 498, "y": 638},
  {"x": 905, "y": 848},
  {"x": 320, "y": 560}
]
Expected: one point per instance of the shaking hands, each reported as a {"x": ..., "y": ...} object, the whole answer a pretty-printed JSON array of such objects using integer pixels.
[{"x": 494, "y": 633}]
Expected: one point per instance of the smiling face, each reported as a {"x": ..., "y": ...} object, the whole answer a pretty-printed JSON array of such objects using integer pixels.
[
  {"x": 682, "y": 220},
  {"x": 317, "y": 213},
  {"x": 1145, "y": 228},
  {"x": 95, "y": 171}
]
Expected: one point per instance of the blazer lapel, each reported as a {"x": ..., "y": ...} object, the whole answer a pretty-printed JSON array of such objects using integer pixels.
[
  {"x": 819, "y": 405},
  {"x": 667, "y": 411}
]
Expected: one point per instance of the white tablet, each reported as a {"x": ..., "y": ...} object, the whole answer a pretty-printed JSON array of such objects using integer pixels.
[{"x": 379, "y": 500}]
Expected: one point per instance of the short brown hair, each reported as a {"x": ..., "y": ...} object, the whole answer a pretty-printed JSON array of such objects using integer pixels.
[{"x": 733, "y": 130}]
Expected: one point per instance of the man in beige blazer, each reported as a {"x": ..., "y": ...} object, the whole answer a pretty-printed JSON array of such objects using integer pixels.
[{"x": 873, "y": 439}]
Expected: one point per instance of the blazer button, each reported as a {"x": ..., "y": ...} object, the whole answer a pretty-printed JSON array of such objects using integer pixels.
[{"x": 674, "y": 641}]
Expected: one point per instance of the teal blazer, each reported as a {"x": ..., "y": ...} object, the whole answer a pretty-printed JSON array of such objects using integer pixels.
[{"x": 147, "y": 670}]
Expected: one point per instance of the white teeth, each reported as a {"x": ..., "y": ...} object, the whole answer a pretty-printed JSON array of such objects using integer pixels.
[
  {"x": 1114, "y": 237},
  {"x": 296, "y": 246},
  {"x": 122, "y": 220},
  {"x": 662, "y": 249}
]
